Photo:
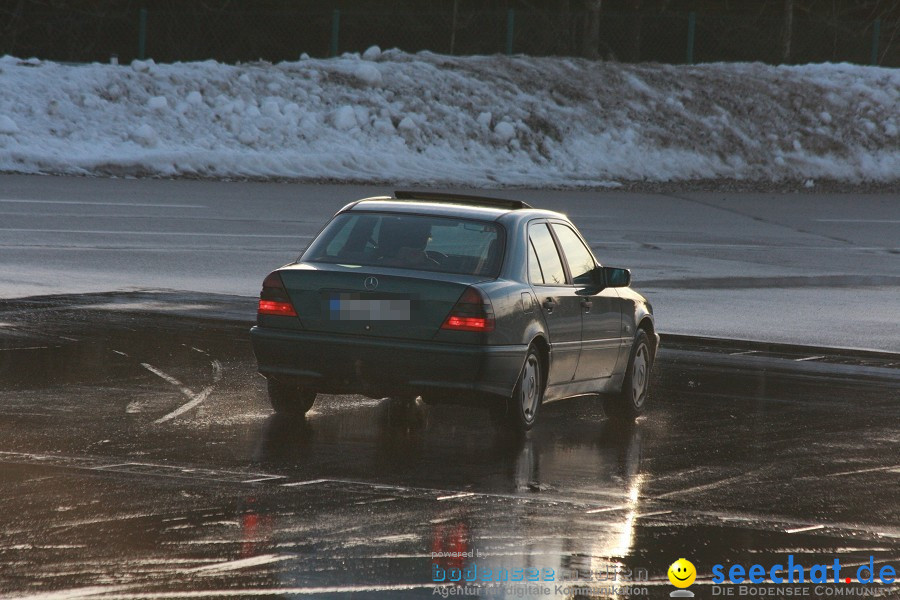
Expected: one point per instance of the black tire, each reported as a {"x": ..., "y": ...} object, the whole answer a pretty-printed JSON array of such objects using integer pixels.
[
  {"x": 520, "y": 411},
  {"x": 289, "y": 399},
  {"x": 631, "y": 401}
]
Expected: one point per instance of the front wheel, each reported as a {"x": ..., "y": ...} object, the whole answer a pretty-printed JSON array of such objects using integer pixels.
[
  {"x": 632, "y": 399},
  {"x": 289, "y": 399},
  {"x": 519, "y": 412}
]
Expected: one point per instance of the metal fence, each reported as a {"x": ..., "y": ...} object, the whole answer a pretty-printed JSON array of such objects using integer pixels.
[{"x": 185, "y": 34}]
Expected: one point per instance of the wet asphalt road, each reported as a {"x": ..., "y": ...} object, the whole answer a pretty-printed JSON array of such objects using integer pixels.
[
  {"x": 816, "y": 267},
  {"x": 139, "y": 458}
]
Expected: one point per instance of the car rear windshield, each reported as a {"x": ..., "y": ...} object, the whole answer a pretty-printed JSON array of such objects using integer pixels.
[{"x": 420, "y": 242}]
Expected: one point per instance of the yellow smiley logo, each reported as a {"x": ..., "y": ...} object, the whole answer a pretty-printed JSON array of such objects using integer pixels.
[{"x": 682, "y": 573}]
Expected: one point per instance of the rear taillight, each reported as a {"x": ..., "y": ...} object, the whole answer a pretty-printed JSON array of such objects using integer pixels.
[
  {"x": 472, "y": 312},
  {"x": 274, "y": 300}
]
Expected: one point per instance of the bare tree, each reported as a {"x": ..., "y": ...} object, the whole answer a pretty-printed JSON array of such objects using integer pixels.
[
  {"x": 634, "y": 33},
  {"x": 453, "y": 27},
  {"x": 565, "y": 25},
  {"x": 592, "y": 29},
  {"x": 13, "y": 19},
  {"x": 787, "y": 31}
]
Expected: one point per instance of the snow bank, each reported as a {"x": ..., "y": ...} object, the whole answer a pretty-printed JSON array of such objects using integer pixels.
[{"x": 427, "y": 118}]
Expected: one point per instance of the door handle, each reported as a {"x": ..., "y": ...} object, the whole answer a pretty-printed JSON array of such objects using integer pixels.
[
  {"x": 550, "y": 304},
  {"x": 586, "y": 304}
]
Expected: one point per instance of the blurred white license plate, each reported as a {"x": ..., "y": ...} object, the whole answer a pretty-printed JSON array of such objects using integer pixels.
[{"x": 354, "y": 307}]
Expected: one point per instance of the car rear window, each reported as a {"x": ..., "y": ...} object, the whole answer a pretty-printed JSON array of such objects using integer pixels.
[{"x": 420, "y": 242}]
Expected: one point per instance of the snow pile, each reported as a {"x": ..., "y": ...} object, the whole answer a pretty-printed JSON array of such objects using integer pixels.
[{"x": 426, "y": 118}]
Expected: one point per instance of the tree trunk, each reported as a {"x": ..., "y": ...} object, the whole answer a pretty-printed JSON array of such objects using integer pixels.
[
  {"x": 634, "y": 35},
  {"x": 453, "y": 28},
  {"x": 565, "y": 27},
  {"x": 8, "y": 36},
  {"x": 787, "y": 31},
  {"x": 592, "y": 29}
]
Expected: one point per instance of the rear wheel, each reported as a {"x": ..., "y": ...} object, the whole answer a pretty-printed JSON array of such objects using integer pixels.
[
  {"x": 520, "y": 411},
  {"x": 630, "y": 402},
  {"x": 289, "y": 399}
]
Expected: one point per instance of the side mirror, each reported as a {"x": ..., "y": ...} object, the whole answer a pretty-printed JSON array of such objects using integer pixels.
[
  {"x": 617, "y": 277},
  {"x": 602, "y": 278},
  {"x": 605, "y": 277}
]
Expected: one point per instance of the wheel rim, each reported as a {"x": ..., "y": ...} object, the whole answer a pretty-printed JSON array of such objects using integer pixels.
[
  {"x": 530, "y": 388},
  {"x": 640, "y": 374}
]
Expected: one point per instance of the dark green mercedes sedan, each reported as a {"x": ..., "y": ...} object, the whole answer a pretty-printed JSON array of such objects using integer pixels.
[{"x": 457, "y": 299}]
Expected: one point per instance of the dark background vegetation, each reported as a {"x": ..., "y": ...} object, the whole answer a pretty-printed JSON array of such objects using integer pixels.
[{"x": 773, "y": 31}]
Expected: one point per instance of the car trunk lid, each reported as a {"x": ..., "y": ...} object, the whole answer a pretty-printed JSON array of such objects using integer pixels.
[{"x": 373, "y": 301}]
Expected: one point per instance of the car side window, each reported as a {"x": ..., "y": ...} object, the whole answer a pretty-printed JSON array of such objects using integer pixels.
[
  {"x": 535, "y": 275},
  {"x": 579, "y": 258},
  {"x": 548, "y": 256}
]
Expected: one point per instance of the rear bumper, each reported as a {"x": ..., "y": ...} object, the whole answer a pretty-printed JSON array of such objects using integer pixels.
[{"x": 333, "y": 363}]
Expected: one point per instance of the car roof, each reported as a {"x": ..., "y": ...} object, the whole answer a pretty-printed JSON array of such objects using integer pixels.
[{"x": 447, "y": 208}]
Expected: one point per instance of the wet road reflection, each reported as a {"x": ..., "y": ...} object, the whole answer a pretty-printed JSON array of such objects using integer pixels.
[{"x": 138, "y": 456}]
